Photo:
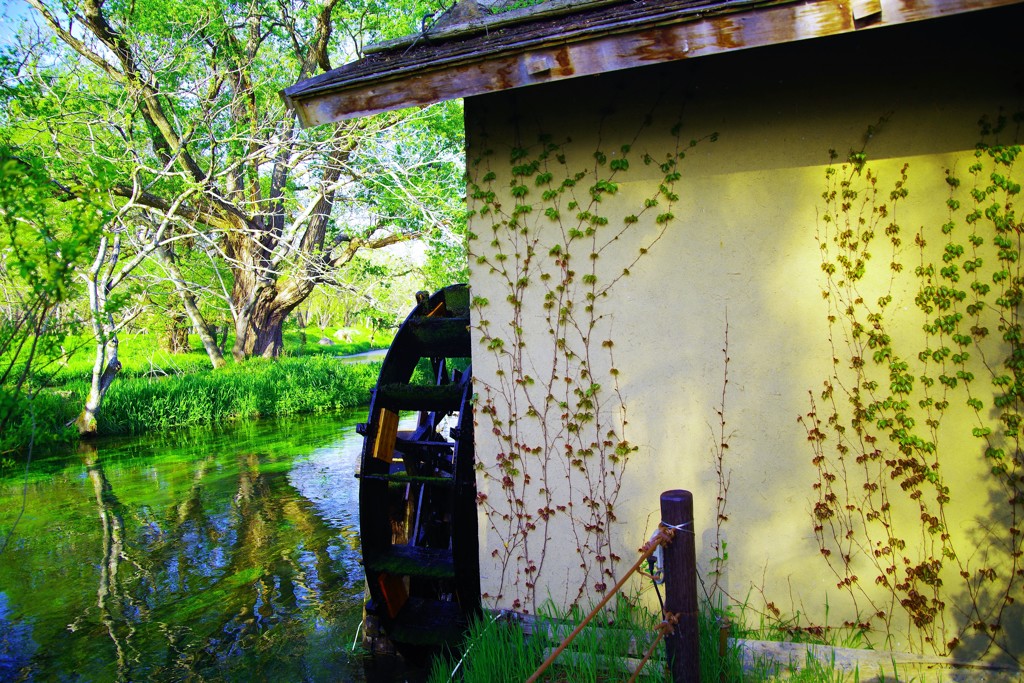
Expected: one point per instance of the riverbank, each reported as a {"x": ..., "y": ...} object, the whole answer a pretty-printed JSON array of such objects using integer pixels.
[{"x": 160, "y": 391}]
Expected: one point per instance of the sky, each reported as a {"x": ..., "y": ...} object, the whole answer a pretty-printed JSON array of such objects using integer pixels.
[{"x": 12, "y": 14}]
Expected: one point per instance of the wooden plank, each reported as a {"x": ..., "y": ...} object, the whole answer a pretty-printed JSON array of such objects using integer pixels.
[
  {"x": 442, "y": 30},
  {"x": 868, "y": 665},
  {"x": 402, "y": 560},
  {"x": 445, "y": 397},
  {"x": 630, "y": 642},
  {"x": 610, "y": 662},
  {"x": 871, "y": 665},
  {"x": 410, "y": 81},
  {"x": 394, "y": 591},
  {"x": 387, "y": 434},
  {"x": 441, "y": 337},
  {"x": 424, "y": 54}
]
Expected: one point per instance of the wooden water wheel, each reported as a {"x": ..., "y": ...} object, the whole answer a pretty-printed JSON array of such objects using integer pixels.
[{"x": 417, "y": 489}]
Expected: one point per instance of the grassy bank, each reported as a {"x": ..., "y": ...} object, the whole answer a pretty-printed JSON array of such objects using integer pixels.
[
  {"x": 256, "y": 388},
  {"x": 507, "y": 649},
  {"x": 156, "y": 390}
]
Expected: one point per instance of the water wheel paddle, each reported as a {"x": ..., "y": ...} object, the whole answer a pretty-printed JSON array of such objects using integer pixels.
[{"x": 417, "y": 489}]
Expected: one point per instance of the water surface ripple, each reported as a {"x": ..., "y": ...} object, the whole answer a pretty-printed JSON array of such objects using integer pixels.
[{"x": 228, "y": 554}]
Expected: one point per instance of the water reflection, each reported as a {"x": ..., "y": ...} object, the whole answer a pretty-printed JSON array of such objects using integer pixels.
[{"x": 216, "y": 555}]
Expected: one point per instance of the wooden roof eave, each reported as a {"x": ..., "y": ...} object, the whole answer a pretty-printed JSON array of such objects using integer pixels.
[
  {"x": 383, "y": 88},
  {"x": 415, "y": 81}
]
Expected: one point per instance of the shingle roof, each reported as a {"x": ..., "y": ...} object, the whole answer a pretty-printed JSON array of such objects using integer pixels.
[{"x": 472, "y": 50}]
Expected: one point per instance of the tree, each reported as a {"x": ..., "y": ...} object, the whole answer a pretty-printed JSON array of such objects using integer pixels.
[
  {"x": 42, "y": 241},
  {"x": 108, "y": 273},
  {"x": 179, "y": 100},
  {"x": 424, "y": 157}
]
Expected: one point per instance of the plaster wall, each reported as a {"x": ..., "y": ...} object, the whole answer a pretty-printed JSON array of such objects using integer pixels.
[{"x": 739, "y": 263}]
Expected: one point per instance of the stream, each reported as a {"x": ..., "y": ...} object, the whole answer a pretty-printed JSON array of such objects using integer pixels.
[{"x": 223, "y": 554}]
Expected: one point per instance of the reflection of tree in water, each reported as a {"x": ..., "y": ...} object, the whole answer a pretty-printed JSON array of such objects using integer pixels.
[
  {"x": 118, "y": 611},
  {"x": 271, "y": 552},
  {"x": 225, "y": 570}
]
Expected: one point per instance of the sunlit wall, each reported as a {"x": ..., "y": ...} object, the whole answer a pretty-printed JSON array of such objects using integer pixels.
[{"x": 735, "y": 272}]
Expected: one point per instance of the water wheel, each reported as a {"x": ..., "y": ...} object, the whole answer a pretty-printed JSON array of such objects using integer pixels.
[{"x": 417, "y": 489}]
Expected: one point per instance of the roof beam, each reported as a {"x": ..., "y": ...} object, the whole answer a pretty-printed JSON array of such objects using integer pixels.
[{"x": 628, "y": 45}]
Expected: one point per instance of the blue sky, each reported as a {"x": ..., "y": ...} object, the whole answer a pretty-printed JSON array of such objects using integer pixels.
[{"x": 12, "y": 13}]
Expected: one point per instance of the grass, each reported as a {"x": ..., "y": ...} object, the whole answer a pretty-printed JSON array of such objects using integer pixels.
[
  {"x": 156, "y": 390},
  {"x": 504, "y": 649},
  {"x": 141, "y": 355},
  {"x": 256, "y": 388},
  {"x": 500, "y": 650}
]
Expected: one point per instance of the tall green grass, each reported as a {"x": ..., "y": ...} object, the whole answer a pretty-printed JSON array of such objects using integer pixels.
[
  {"x": 40, "y": 421},
  {"x": 141, "y": 355},
  {"x": 256, "y": 388},
  {"x": 498, "y": 649},
  {"x": 134, "y": 405},
  {"x": 159, "y": 390}
]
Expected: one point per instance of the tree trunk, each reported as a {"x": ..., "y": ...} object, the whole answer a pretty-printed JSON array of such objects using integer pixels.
[
  {"x": 301, "y": 319},
  {"x": 259, "y": 323},
  {"x": 177, "y": 334},
  {"x": 102, "y": 378},
  {"x": 199, "y": 323},
  {"x": 106, "y": 364},
  {"x": 263, "y": 332}
]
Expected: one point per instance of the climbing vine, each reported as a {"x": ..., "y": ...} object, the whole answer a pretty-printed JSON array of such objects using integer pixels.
[
  {"x": 902, "y": 408},
  {"x": 546, "y": 226},
  {"x": 723, "y": 478}
]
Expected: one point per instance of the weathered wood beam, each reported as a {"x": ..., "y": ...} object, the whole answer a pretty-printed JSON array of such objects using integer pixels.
[{"x": 626, "y": 46}]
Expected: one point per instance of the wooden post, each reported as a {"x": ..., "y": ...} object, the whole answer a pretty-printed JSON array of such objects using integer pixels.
[{"x": 682, "y": 645}]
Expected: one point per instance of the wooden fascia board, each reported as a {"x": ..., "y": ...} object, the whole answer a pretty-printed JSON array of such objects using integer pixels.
[{"x": 612, "y": 51}]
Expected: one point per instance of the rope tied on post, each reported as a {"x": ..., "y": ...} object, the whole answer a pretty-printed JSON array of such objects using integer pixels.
[
  {"x": 668, "y": 625},
  {"x": 684, "y": 661},
  {"x": 662, "y": 535}
]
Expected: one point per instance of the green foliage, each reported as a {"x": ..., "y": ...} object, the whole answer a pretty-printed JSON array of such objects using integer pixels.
[
  {"x": 312, "y": 380},
  {"x": 41, "y": 419},
  {"x": 42, "y": 241},
  {"x": 876, "y": 428},
  {"x": 256, "y": 388},
  {"x": 499, "y": 650},
  {"x": 183, "y": 124},
  {"x": 415, "y": 183}
]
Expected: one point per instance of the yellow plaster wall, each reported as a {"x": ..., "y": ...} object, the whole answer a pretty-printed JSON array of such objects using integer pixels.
[{"x": 741, "y": 252}]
